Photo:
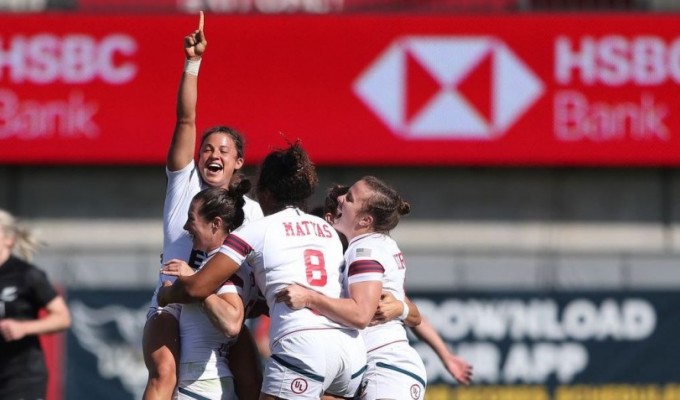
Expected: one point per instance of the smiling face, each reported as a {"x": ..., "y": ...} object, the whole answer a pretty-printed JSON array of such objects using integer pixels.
[
  {"x": 205, "y": 235},
  {"x": 218, "y": 159},
  {"x": 350, "y": 219}
]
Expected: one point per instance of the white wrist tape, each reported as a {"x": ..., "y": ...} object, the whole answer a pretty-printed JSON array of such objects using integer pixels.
[
  {"x": 191, "y": 66},
  {"x": 404, "y": 314}
]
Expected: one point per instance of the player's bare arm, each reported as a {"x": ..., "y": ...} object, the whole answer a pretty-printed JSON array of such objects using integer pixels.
[
  {"x": 181, "y": 150},
  {"x": 390, "y": 308},
  {"x": 202, "y": 284},
  {"x": 225, "y": 311},
  {"x": 355, "y": 311}
]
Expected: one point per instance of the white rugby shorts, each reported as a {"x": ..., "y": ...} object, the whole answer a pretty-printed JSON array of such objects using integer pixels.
[
  {"x": 309, "y": 363},
  {"x": 394, "y": 371},
  {"x": 213, "y": 389}
]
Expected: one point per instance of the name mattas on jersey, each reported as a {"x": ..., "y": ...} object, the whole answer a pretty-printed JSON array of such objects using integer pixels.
[{"x": 305, "y": 228}]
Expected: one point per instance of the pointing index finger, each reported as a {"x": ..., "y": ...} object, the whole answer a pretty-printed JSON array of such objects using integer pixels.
[{"x": 201, "y": 19}]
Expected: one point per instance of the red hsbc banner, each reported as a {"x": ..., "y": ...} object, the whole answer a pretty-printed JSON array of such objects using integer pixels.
[{"x": 361, "y": 90}]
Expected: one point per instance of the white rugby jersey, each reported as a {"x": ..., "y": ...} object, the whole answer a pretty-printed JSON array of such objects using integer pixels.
[
  {"x": 181, "y": 188},
  {"x": 288, "y": 247},
  {"x": 203, "y": 347},
  {"x": 376, "y": 257}
]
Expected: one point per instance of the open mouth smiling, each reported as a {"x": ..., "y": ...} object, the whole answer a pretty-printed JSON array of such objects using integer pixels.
[{"x": 214, "y": 167}]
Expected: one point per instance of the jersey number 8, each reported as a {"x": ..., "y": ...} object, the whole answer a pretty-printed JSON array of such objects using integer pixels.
[{"x": 315, "y": 267}]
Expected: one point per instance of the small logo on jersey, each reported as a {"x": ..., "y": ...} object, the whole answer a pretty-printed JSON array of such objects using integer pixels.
[
  {"x": 298, "y": 385},
  {"x": 399, "y": 258},
  {"x": 363, "y": 252},
  {"x": 196, "y": 258},
  {"x": 8, "y": 294},
  {"x": 415, "y": 392}
]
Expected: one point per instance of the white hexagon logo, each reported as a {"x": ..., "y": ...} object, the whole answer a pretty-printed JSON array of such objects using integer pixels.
[{"x": 429, "y": 87}]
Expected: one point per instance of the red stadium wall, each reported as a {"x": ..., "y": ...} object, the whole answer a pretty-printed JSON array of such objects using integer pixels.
[{"x": 368, "y": 90}]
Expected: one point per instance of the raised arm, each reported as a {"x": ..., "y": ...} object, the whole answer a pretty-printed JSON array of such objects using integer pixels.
[
  {"x": 355, "y": 311},
  {"x": 183, "y": 143}
]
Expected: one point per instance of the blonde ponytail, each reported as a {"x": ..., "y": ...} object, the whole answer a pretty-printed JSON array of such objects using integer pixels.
[{"x": 26, "y": 242}]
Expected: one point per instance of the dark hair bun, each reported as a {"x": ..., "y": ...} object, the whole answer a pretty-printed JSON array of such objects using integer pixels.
[
  {"x": 240, "y": 188},
  {"x": 404, "y": 207}
]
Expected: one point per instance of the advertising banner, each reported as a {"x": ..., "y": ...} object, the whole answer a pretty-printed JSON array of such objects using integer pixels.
[
  {"x": 523, "y": 345},
  {"x": 104, "y": 344},
  {"x": 357, "y": 90},
  {"x": 556, "y": 345}
]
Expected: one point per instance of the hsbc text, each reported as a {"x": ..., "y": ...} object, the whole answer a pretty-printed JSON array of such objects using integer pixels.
[
  {"x": 74, "y": 59},
  {"x": 615, "y": 60}
]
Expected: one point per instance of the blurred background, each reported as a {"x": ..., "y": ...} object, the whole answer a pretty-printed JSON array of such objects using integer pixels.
[{"x": 536, "y": 140}]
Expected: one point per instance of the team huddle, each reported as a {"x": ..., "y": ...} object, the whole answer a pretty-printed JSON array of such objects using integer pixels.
[{"x": 331, "y": 284}]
